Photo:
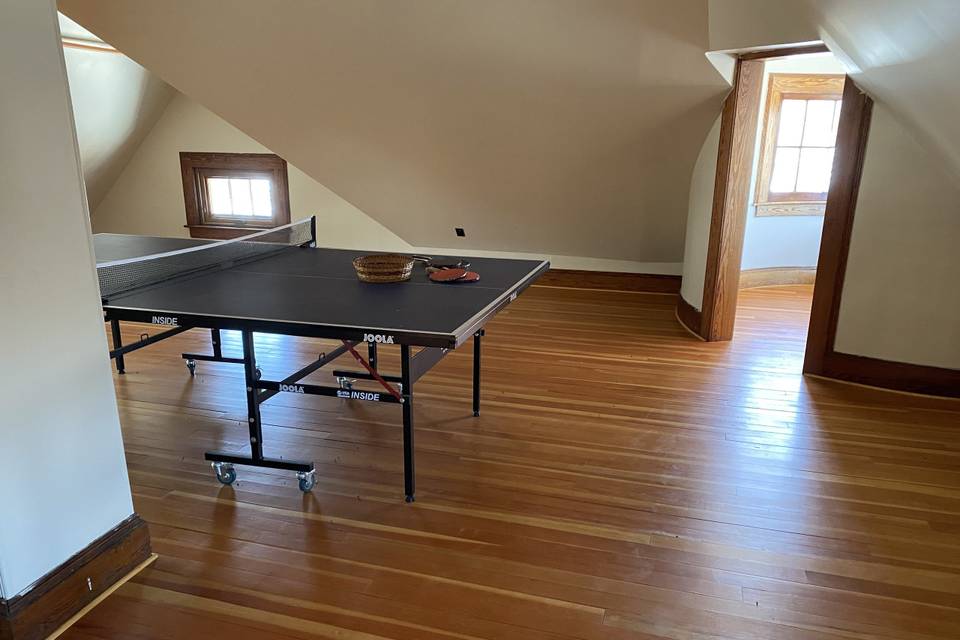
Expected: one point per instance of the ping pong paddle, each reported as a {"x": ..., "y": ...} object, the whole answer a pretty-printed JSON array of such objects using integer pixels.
[
  {"x": 448, "y": 275},
  {"x": 454, "y": 276}
]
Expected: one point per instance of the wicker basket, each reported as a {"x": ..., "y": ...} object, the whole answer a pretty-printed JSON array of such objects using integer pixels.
[{"x": 386, "y": 267}]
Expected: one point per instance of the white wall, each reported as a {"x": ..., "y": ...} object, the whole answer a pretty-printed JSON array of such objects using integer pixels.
[
  {"x": 901, "y": 298},
  {"x": 115, "y": 102},
  {"x": 147, "y": 198},
  {"x": 699, "y": 216},
  {"x": 783, "y": 241},
  {"x": 62, "y": 471}
]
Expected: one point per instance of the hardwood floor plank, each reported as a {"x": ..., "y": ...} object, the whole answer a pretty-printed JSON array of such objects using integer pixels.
[{"x": 623, "y": 482}]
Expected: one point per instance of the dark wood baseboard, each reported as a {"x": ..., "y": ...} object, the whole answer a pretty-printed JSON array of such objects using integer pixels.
[
  {"x": 899, "y": 376},
  {"x": 613, "y": 280},
  {"x": 775, "y": 276},
  {"x": 63, "y": 592},
  {"x": 689, "y": 316}
]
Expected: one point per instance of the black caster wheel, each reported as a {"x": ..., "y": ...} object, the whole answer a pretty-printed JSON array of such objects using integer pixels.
[
  {"x": 409, "y": 498},
  {"x": 226, "y": 474},
  {"x": 192, "y": 367},
  {"x": 307, "y": 480}
]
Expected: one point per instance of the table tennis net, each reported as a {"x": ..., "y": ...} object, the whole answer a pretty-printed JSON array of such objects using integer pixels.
[{"x": 123, "y": 276}]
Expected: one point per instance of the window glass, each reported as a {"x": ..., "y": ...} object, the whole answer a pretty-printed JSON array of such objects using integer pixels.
[
  {"x": 262, "y": 203},
  {"x": 791, "y": 123},
  {"x": 785, "y": 170},
  {"x": 837, "y": 105},
  {"x": 218, "y": 190},
  {"x": 813, "y": 171},
  {"x": 240, "y": 197},
  {"x": 818, "y": 127}
]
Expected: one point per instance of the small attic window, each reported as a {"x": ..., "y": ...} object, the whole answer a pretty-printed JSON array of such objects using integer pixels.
[
  {"x": 230, "y": 194},
  {"x": 796, "y": 155},
  {"x": 243, "y": 199}
]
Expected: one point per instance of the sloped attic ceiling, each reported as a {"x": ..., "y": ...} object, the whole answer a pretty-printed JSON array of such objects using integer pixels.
[
  {"x": 903, "y": 52},
  {"x": 544, "y": 125},
  {"x": 115, "y": 103}
]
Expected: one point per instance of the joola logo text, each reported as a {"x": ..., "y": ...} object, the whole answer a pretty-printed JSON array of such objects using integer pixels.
[
  {"x": 358, "y": 395},
  {"x": 378, "y": 337},
  {"x": 292, "y": 388},
  {"x": 169, "y": 320}
]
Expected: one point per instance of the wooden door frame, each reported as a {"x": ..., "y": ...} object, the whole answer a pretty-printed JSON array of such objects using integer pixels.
[
  {"x": 738, "y": 130},
  {"x": 731, "y": 192},
  {"x": 852, "y": 134}
]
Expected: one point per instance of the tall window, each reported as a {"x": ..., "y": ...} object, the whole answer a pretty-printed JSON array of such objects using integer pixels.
[
  {"x": 231, "y": 194},
  {"x": 796, "y": 154}
]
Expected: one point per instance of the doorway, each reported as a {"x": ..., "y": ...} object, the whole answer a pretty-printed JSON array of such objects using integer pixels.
[{"x": 766, "y": 168}]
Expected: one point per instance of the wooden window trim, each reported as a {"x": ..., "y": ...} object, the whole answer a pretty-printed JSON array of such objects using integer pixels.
[
  {"x": 196, "y": 167},
  {"x": 791, "y": 208},
  {"x": 780, "y": 87}
]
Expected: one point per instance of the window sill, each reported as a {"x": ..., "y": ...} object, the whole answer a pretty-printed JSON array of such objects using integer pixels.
[{"x": 765, "y": 209}]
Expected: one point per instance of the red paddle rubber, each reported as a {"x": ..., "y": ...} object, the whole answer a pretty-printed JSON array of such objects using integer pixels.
[{"x": 447, "y": 275}]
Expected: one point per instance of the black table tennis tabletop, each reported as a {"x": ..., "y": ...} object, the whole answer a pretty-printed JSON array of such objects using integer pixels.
[{"x": 313, "y": 292}]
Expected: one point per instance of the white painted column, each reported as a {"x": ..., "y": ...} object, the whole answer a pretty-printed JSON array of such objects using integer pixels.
[{"x": 63, "y": 478}]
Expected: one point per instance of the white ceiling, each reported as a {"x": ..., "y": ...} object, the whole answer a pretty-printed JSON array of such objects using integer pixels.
[{"x": 556, "y": 126}]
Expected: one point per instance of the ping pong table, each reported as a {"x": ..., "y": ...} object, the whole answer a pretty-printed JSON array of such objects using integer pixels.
[{"x": 279, "y": 282}]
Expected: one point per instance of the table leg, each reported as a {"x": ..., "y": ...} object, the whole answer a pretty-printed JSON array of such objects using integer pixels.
[
  {"x": 117, "y": 343},
  {"x": 215, "y": 342},
  {"x": 476, "y": 371},
  {"x": 408, "y": 461},
  {"x": 253, "y": 404}
]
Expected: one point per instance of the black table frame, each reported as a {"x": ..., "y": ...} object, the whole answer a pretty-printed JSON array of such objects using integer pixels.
[{"x": 413, "y": 366}]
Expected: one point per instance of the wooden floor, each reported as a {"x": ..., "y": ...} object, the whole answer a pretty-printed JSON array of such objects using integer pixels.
[{"x": 623, "y": 481}]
